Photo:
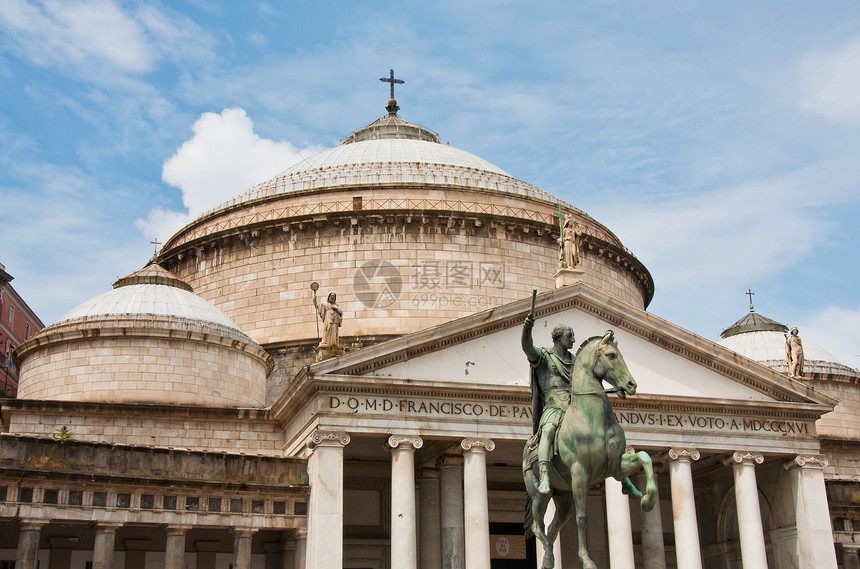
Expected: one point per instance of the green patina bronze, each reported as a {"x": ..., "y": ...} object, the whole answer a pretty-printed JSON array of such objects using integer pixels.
[{"x": 577, "y": 442}]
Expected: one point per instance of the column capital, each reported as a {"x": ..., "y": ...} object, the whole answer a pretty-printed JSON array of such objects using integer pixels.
[
  {"x": 32, "y": 524},
  {"x": 683, "y": 454},
  {"x": 243, "y": 532},
  {"x": 327, "y": 438},
  {"x": 447, "y": 460},
  {"x": 413, "y": 441},
  {"x": 106, "y": 527},
  {"x": 428, "y": 472},
  {"x": 471, "y": 444},
  {"x": 742, "y": 457},
  {"x": 300, "y": 533},
  {"x": 177, "y": 529},
  {"x": 806, "y": 461}
]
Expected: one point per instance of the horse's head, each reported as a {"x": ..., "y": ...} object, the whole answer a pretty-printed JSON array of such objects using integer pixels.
[{"x": 609, "y": 366}]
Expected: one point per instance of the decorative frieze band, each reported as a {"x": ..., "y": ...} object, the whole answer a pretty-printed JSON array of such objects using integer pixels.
[
  {"x": 328, "y": 438},
  {"x": 474, "y": 444},
  {"x": 683, "y": 454},
  {"x": 807, "y": 461},
  {"x": 415, "y": 441},
  {"x": 743, "y": 457}
]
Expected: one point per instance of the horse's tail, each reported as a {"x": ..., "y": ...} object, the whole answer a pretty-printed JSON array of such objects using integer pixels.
[{"x": 529, "y": 519}]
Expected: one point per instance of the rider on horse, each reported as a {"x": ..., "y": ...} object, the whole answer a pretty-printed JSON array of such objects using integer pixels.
[{"x": 550, "y": 384}]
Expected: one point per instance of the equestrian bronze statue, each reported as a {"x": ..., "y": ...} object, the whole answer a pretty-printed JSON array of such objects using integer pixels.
[{"x": 577, "y": 443}]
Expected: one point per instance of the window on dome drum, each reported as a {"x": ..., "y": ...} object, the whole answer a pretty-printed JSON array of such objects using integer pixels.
[
  {"x": 147, "y": 501},
  {"x": 100, "y": 499},
  {"x": 356, "y": 203},
  {"x": 214, "y": 505},
  {"x": 76, "y": 497},
  {"x": 123, "y": 500},
  {"x": 50, "y": 496}
]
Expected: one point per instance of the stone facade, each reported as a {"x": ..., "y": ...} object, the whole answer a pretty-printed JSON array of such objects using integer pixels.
[
  {"x": 438, "y": 266},
  {"x": 144, "y": 362}
]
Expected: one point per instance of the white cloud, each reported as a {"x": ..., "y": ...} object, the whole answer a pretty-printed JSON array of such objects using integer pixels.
[
  {"x": 830, "y": 82},
  {"x": 837, "y": 330},
  {"x": 223, "y": 158},
  {"x": 94, "y": 35}
]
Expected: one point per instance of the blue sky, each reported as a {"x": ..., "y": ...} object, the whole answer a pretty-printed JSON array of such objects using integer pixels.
[{"x": 723, "y": 149}]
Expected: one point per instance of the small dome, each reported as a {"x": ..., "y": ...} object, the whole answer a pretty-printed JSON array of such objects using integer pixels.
[
  {"x": 762, "y": 339},
  {"x": 154, "y": 291},
  {"x": 149, "y": 340}
]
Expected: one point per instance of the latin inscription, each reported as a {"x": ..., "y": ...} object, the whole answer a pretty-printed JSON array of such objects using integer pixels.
[
  {"x": 425, "y": 407},
  {"x": 442, "y": 408},
  {"x": 711, "y": 423}
]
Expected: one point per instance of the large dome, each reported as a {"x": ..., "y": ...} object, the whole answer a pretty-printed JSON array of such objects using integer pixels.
[{"x": 409, "y": 232}]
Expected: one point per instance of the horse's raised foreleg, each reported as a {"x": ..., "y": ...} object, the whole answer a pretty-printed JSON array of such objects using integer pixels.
[
  {"x": 579, "y": 491},
  {"x": 631, "y": 463},
  {"x": 539, "y": 503}
]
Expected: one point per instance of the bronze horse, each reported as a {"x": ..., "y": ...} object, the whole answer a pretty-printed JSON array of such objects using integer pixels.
[{"x": 591, "y": 448}]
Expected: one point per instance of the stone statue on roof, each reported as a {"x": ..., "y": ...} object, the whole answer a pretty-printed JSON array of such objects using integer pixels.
[
  {"x": 794, "y": 354},
  {"x": 332, "y": 317},
  {"x": 568, "y": 251}
]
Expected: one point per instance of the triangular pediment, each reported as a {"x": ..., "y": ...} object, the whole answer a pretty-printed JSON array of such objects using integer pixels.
[{"x": 484, "y": 349}]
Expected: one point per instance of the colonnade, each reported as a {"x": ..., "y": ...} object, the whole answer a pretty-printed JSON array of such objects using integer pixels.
[
  {"x": 104, "y": 545},
  {"x": 454, "y": 520}
]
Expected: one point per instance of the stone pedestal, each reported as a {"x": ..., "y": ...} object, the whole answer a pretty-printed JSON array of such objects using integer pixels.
[
  {"x": 567, "y": 277},
  {"x": 430, "y": 543},
  {"x": 753, "y": 552},
  {"x": 687, "y": 546},
  {"x": 451, "y": 481},
  {"x": 618, "y": 526},
  {"x": 28, "y": 544},
  {"x": 325, "y": 510},
  {"x": 475, "y": 507},
  {"x": 814, "y": 535},
  {"x": 404, "y": 542}
]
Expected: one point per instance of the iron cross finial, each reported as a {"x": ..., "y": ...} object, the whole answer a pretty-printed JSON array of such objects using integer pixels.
[
  {"x": 750, "y": 294},
  {"x": 155, "y": 242},
  {"x": 391, "y": 80}
]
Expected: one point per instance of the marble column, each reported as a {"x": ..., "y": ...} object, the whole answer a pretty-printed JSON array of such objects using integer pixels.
[
  {"x": 451, "y": 509},
  {"x": 653, "y": 545},
  {"x": 174, "y": 551},
  {"x": 242, "y": 547},
  {"x": 28, "y": 543},
  {"x": 687, "y": 549},
  {"x": 325, "y": 510},
  {"x": 753, "y": 552},
  {"x": 850, "y": 559},
  {"x": 103, "y": 548},
  {"x": 301, "y": 537},
  {"x": 404, "y": 542},
  {"x": 814, "y": 534},
  {"x": 429, "y": 536},
  {"x": 475, "y": 505},
  {"x": 618, "y": 526}
]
